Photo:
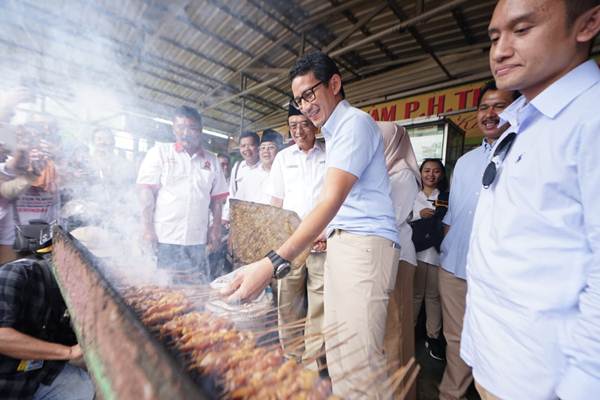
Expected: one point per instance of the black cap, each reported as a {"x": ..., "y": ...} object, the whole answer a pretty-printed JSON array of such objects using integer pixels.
[
  {"x": 270, "y": 135},
  {"x": 293, "y": 110}
]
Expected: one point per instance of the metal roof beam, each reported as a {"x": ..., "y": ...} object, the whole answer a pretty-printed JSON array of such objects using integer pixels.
[
  {"x": 417, "y": 36},
  {"x": 361, "y": 26},
  {"x": 396, "y": 28},
  {"x": 302, "y": 30},
  {"x": 401, "y": 26},
  {"x": 252, "y": 25},
  {"x": 462, "y": 24},
  {"x": 358, "y": 25}
]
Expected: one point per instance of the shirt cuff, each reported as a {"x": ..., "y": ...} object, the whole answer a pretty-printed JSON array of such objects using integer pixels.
[{"x": 577, "y": 384}]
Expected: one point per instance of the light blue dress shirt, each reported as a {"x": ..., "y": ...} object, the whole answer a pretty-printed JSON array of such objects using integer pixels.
[
  {"x": 355, "y": 145},
  {"x": 464, "y": 193},
  {"x": 532, "y": 322}
]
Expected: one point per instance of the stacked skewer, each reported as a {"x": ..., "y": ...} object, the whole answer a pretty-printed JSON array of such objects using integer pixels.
[
  {"x": 213, "y": 346},
  {"x": 247, "y": 363}
]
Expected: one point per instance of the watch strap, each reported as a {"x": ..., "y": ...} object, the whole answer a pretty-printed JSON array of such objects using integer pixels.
[{"x": 276, "y": 259}]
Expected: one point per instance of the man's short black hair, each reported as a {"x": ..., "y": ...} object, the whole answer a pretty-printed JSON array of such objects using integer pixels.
[
  {"x": 223, "y": 155},
  {"x": 188, "y": 112},
  {"x": 318, "y": 63},
  {"x": 491, "y": 85},
  {"x": 575, "y": 8},
  {"x": 251, "y": 134}
]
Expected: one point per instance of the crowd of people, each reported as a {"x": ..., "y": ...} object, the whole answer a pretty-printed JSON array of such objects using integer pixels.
[{"x": 502, "y": 257}]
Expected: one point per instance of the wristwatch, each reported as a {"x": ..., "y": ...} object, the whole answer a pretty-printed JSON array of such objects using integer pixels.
[{"x": 281, "y": 266}]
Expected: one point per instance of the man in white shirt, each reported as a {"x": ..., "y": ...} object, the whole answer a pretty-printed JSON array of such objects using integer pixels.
[
  {"x": 295, "y": 184},
  {"x": 270, "y": 144},
  {"x": 362, "y": 244},
  {"x": 179, "y": 183},
  {"x": 245, "y": 174},
  {"x": 458, "y": 221},
  {"x": 532, "y": 322}
]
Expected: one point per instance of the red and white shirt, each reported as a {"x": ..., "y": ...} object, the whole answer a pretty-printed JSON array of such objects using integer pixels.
[{"x": 185, "y": 187}]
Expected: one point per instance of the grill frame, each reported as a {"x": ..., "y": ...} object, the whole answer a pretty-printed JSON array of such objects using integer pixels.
[{"x": 124, "y": 359}]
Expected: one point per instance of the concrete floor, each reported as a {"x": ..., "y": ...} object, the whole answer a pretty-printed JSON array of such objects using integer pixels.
[{"x": 431, "y": 369}]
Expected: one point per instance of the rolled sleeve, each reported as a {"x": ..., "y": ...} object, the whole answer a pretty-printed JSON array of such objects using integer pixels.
[
  {"x": 353, "y": 149},
  {"x": 582, "y": 376}
]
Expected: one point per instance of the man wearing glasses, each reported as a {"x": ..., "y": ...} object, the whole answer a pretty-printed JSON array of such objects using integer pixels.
[
  {"x": 270, "y": 144},
  {"x": 356, "y": 209},
  {"x": 179, "y": 183},
  {"x": 458, "y": 221},
  {"x": 295, "y": 184},
  {"x": 532, "y": 322}
]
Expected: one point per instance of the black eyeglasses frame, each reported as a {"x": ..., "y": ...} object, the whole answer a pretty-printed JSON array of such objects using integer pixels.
[{"x": 308, "y": 95}]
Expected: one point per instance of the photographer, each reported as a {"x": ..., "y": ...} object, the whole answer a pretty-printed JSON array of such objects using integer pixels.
[
  {"x": 36, "y": 340},
  {"x": 15, "y": 178},
  {"x": 27, "y": 185}
]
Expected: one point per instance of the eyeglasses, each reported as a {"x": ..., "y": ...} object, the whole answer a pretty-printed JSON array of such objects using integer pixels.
[
  {"x": 500, "y": 154},
  {"x": 308, "y": 95},
  {"x": 299, "y": 125}
]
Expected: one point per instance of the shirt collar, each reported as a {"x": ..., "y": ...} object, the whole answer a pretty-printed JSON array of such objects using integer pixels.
[
  {"x": 335, "y": 118},
  {"x": 486, "y": 145},
  {"x": 179, "y": 149},
  {"x": 316, "y": 147},
  {"x": 255, "y": 165},
  {"x": 558, "y": 95}
]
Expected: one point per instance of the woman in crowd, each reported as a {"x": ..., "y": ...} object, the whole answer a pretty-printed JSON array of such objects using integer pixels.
[{"x": 434, "y": 182}]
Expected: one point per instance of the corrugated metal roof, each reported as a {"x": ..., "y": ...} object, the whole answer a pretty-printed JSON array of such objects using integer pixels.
[{"x": 161, "y": 54}]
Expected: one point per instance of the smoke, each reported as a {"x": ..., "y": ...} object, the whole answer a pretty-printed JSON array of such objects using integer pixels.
[{"x": 77, "y": 71}]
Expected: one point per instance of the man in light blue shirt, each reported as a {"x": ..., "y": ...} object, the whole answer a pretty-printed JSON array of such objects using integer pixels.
[
  {"x": 532, "y": 322},
  {"x": 356, "y": 208},
  {"x": 464, "y": 192}
]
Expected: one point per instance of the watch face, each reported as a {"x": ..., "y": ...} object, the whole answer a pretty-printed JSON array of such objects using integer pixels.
[{"x": 283, "y": 270}]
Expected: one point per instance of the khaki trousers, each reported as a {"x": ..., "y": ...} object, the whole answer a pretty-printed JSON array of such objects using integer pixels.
[
  {"x": 7, "y": 254},
  {"x": 303, "y": 285},
  {"x": 360, "y": 274},
  {"x": 484, "y": 394},
  {"x": 427, "y": 288},
  {"x": 399, "y": 339},
  {"x": 457, "y": 375}
]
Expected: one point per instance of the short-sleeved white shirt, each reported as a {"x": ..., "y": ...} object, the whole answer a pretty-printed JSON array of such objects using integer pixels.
[
  {"x": 251, "y": 186},
  {"x": 186, "y": 186},
  {"x": 248, "y": 183},
  {"x": 297, "y": 177}
]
